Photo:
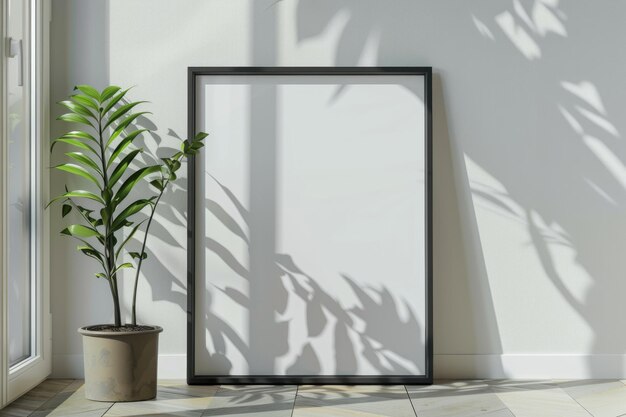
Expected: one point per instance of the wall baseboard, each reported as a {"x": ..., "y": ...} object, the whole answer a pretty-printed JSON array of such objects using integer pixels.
[
  {"x": 530, "y": 366},
  {"x": 493, "y": 366}
]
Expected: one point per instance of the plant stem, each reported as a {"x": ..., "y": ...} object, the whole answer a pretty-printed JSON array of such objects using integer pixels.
[
  {"x": 164, "y": 183},
  {"x": 143, "y": 248},
  {"x": 109, "y": 249}
]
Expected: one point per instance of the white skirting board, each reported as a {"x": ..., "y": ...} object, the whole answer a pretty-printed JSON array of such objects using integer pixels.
[
  {"x": 530, "y": 366},
  {"x": 493, "y": 366}
]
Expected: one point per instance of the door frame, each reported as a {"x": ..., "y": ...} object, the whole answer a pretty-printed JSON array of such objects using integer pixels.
[{"x": 19, "y": 379}]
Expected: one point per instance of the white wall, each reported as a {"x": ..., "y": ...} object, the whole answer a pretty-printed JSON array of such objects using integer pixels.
[{"x": 530, "y": 175}]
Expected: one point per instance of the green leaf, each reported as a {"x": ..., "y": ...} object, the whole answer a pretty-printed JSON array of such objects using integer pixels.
[
  {"x": 78, "y": 134},
  {"x": 201, "y": 135},
  {"x": 78, "y": 194},
  {"x": 66, "y": 209},
  {"x": 136, "y": 255},
  {"x": 172, "y": 165},
  {"x": 113, "y": 239},
  {"x": 196, "y": 145},
  {"x": 78, "y": 230},
  {"x": 84, "y": 159},
  {"x": 83, "y": 210},
  {"x": 77, "y": 108},
  {"x": 85, "y": 101},
  {"x": 89, "y": 90},
  {"x": 108, "y": 92},
  {"x": 106, "y": 194},
  {"x": 123, "y": 144},
  {"x": 92, "y": 254},
  {"x": 123, "y": 266},
  {"x": 78, "y": 170},
  {"x": 86, "y": 214},
  {"x": 73, "y": 142},
  {"x": 123, "y": 125},
  {"x": 158, "y": 184},
  {"x": 132, "y": 180},
  {"x": 87, "y": 244},
  {"x": 132, "y": 208},
  {"x": 100, "y": 275},
  {"x": 90, "y": 251},
  {"x": 123, "y": 164},
  {"x": 105, "y": 214},
  {"x": 121, "y": 111},
  {"x": 74, "y": 118},
  {"x": 114, "y": 101},
  {"x": 128, "y": 238}
]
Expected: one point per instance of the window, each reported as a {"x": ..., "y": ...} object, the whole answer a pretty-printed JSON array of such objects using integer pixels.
[{"x": 24, "y": 292}]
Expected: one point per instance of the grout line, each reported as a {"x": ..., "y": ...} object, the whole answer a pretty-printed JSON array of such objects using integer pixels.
[
  {"x": 107, "y": 410},
  {"x": 39, "y": 408},
  {"x": 295, "y": 398},
  {"x": 217, "y": 391},
  {"x": 410, "y": 402},
  {"x": 575, "y": 400},
  {"x": 491, "y": 389}
]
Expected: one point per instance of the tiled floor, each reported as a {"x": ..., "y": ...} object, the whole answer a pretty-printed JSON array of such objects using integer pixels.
[{"x": 600, "y": 398}]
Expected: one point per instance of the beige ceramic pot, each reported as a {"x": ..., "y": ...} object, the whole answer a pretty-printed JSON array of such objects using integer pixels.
[{"x": 120, "y": 365}]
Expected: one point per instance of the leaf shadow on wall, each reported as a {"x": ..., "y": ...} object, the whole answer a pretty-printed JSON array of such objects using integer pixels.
[
  {"x": 373, "y": 33},
  {"x": 547, "y": 156},
  {"x": 171, "y": 212},
  {"x": 378, "y": 313}
]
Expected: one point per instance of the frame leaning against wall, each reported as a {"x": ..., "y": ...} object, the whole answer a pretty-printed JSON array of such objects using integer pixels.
[{"x": 195, "y": 379}]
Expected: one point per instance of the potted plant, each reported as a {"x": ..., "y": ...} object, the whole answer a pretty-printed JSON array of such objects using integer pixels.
[{"x": 120, "y": 359}]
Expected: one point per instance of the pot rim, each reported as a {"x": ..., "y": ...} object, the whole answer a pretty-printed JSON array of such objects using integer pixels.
[{"x": 85, "y": 331}]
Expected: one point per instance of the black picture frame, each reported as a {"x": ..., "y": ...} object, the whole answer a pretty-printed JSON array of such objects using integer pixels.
[{"x": 192, "y": 377}]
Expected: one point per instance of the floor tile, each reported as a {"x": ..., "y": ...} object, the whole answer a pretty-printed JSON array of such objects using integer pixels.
[
  {"x": 52, "y": 404},
  {"x": 179, "y": 386},
  {"x": 457, "y": 399},
  {"x": 166, "y": 404},
  {"x": 537, "y": 399},
  {"x": 252, "y": 400},
  {"x": 76, "y": 405},
  {"x": 35, "y": 398},
  {"x": 602, "y": 398},
  {"x": 500, "y": 413},
  {"x": 362, "y": 400}
]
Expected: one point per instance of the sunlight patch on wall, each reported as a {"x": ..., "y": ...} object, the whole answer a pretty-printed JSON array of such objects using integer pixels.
[
  {"x": 525, "y": 29},
  {"x": 519, "y": 36},
  {"x": 482, "y": 28},
  {"x": 611, "y": 162},
  {"x": 587, "y": 92},
  {"x": 369, "y": 55}
]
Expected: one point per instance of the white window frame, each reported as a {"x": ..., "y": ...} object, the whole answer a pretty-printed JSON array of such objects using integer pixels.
[{"x": 15, "y": 381}]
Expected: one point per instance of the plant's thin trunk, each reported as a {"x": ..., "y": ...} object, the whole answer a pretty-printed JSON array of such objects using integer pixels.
[
  {"x": 109, "y": 248},
  {"x": 116, "y": 304},
  {"x": 115, "y": 292}
]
